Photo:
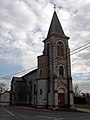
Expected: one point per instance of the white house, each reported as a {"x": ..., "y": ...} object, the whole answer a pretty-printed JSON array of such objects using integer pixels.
[{"x": 5, "y": 97}]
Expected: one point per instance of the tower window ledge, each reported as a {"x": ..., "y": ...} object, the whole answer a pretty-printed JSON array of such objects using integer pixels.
[{"x": 61, "y": 57}]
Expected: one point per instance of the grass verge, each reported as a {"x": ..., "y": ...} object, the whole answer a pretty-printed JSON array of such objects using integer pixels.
[{"x": 86, "y": 106}]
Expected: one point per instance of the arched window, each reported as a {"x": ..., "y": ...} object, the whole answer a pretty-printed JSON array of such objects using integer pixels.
[
  {"x": 60, "y": 49},
  {"x": 61, "y": 70}
]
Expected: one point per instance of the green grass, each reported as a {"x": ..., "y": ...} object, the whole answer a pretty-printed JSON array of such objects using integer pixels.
[{"x": 86, "y": 106}]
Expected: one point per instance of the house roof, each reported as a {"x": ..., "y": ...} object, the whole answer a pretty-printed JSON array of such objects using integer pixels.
[
  {"x": 20, "y": 79},
  {"x": 31, "y": 72},
  {"x": 5, "y": 92}
]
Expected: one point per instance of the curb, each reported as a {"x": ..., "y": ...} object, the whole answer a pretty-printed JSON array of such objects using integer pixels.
[
  {"x": 52, "y": 110},
  {"x": 31, "y": 108},
  {"x": 48, "y": 110},
  {"x": 83, "y": 110}
]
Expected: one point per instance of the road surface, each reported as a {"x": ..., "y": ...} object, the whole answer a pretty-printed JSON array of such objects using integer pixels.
[{"x": 17, "y": 113}]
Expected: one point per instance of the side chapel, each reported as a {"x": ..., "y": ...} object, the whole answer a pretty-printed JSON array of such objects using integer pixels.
[{"x": 50, "y": 85}]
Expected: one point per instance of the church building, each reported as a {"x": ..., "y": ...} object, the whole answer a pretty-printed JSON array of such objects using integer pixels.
[{"x": 50, "y": 85}]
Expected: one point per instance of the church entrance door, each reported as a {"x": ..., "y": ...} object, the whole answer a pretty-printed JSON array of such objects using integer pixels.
[{"x": 61, "y": 99}]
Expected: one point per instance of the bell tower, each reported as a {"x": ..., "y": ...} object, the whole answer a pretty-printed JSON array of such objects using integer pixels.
[
  {"x": 57, "y": 50},
  {"x": 54, "y": 82}
]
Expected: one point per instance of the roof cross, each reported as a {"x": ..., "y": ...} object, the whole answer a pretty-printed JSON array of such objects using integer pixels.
[{"x": 54, "y": 7}]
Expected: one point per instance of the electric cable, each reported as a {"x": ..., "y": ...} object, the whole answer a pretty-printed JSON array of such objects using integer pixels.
[{"x": 51, "y": 60}]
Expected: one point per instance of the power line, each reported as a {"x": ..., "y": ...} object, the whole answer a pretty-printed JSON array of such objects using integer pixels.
[
  {"x": 50, "y": 60},
  {"x": 81, "y": 46},
  {"x": 81, "y": 59},
  {"x": 22, "y": 72},
  {"x": 55, "y": 60},
  {"x": 80, "y": 50},
  {"x": 45, "y": 64}
]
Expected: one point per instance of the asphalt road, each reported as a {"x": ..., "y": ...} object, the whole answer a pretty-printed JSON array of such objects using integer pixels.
[{"x": 15, "y": 113}]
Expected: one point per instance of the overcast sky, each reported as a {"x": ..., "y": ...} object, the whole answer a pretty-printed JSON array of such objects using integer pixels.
[{"x": 24, "y": 25}]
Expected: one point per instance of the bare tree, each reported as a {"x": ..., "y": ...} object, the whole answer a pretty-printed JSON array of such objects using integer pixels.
[
  {"x": 76, "y": 90},
  {"x": 2, "y": 87}
]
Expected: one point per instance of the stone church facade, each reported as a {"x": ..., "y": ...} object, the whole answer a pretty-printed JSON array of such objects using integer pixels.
[{"x": 50, "y": 85}]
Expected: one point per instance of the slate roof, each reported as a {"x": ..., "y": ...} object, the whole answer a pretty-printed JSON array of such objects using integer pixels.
[{"x": 55, "y": 27}]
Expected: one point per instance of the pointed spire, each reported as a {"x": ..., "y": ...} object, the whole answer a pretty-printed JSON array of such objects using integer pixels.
[{"x": 55, "y": 26}]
